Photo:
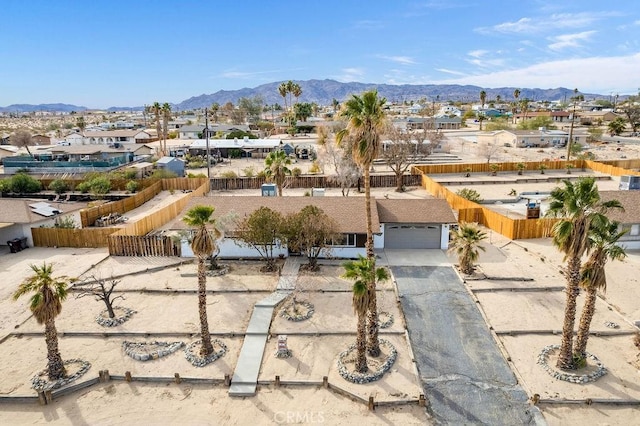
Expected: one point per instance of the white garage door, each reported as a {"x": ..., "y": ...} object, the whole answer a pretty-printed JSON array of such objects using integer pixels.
[{"x": 411, "y": 236}]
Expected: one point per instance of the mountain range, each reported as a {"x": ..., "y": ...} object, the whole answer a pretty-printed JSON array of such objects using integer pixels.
[{"x": 323, "y": 92}]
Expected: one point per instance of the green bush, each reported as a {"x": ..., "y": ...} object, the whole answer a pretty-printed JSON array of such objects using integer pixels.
[
  {"x": 132, "y": 186},
  {"x": 470, "y": 194},
  {"x": 5, "y": 185},
  {"x": 58, "y": 186},
  {"x": 295, "y": 172},
  {"x": 249, "y": 172},
  {"x": 229, "y": 174},
  {"x": 261, "y": 174},
  {"x": 25, "y": 184},
  {"x": 199, "y": 175},
  {"x": 239, "y": 134},
  {"x": 163, "y": 174},
  {"x": 83, "y": 187}
]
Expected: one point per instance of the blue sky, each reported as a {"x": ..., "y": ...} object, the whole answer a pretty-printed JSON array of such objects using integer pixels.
[{"x": 127, "y": 53}]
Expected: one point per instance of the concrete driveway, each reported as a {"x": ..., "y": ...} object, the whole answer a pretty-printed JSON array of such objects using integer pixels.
[{"x": 464, "y": 376}]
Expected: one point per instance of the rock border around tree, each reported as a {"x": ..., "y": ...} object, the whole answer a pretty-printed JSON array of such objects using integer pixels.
[
  {"x": 372, "y": 375},
  {"x": 191, "y": 352},
  {"x": 543, "y": 359},
  {"x": 147, "y": 351},
  {"x": 386, "y": 323},
  {"x": 302, "y": 315},
  {"x": 40, "y": 382},
  {"x": 104, "y": 320}
]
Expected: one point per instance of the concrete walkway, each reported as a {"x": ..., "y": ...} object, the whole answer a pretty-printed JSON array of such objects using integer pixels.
[
  {"x": 463, "y": 373},
  {"x": 245, "y": 376}
]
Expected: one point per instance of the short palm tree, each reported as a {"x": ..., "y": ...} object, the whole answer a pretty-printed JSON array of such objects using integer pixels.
[
  {"x": 366, "y": 123},
  {"x": 603, "y": 241},
  {"x": 362, "y": 272},
  {"x": 48, "y": 293},
  {"x": 466, "y": 243},
  {"x": 579, "y": 208},
  {"x": 276, "y": 168},
  {"x": 203, "y": 245}
]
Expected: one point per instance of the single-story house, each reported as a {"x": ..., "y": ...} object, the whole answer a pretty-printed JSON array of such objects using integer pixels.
[
  {"x": 438, "y": 122},
  {"x": 7, "y": 151},
  {"x": 591, "y": 117},
  {"x": 19, "y": 215},
  {"x": 525, "y": 138},
  {"x": 555, "y": 116},
  {"x": 397, "y": 224},
  {"x": 256, "y": 148},
  {"x": 196, "y": 131},
  {"x": 629, "y": 218}
]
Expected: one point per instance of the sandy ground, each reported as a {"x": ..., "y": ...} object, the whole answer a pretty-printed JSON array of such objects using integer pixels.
[{"x": 166, "y": 306}]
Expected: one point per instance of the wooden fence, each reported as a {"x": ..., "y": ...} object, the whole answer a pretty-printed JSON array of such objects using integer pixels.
[
  {"x": 461, "y": 168},
  {"x": 146, "y": 245},
  {"x": 377, "y": 181},
  {"x": 60, "y": 237},
  {"x": 88, "y": 216}
]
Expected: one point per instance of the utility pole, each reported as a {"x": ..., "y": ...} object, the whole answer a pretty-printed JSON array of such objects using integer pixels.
[{"x": 206, "y": 135}]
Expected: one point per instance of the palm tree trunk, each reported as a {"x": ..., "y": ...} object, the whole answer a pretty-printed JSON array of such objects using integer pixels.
[
  {"x": 207, "y": 347},
  {"x": 373, "y": 345},
  {"x": 54, "y": 360},
  {"x": 361, "y": 344},
  {"x": 565, "y": 358},
  {"x": 588, "y": 311}
]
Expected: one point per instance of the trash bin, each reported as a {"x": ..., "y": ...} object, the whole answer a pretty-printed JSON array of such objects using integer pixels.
[{"x": 17, "y": 244}]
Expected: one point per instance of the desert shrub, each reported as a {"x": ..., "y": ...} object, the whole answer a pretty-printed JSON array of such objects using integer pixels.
[
  {"x": 470, "y": 194},
  {"x": 249, "y": 172},
  {"x": 196, "y": 164},
  {"x": 229, "y": 174},
  {"x": 132, "y": 186},
  {"x": 163, "y": 174},
  {"x": 25, "y": 184},
  {"x": 83, "y": 187},
  {"x": 296, "y": 171},
  {"x": 199, "y": 175},
  {"x": 261, "y": 174},
  {"x": 5, "y": 186},
  {"x": 130, "y": 174},
  {"x": 58, "y": 186},
  {"x": 99, "y": 185},
  {"x": 315, "y": 168},
  {"x": 66, "y": 222}
]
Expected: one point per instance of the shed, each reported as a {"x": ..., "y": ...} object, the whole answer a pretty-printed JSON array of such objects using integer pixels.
[{"x": 171, "y": 164}]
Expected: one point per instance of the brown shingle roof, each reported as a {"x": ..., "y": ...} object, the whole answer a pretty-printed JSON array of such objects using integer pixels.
[
  {"x": 415, "y": 211},
  {"x": 630, "y": 200},
  {"x": 348, "y": 212}
]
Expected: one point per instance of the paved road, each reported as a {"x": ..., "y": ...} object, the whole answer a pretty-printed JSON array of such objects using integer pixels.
[{"x": 463, "y": 373}]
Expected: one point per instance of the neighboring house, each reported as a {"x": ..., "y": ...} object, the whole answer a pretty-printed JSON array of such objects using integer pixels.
[
  {"x": 398, "y": 224},
  {"x": 555, "y": 116},
  {"x": 525, "y": 138},
  {"x": 448, "y": 110},
  {"x": 591, "y": 117},
  {"x": 255, "y": 148},
  {"x": 41, "y": 140},
  {"x": 171, "y": 164},
  {"x": 17, "y": 216},
  {"x": 4, "y": 138},
  {"x": 7, "y": 151},
  {"x": 196, "y": 131},
  {"x": 629, "y": 218},
  {"x": 438, "y": 122},
  {"x": 108, "y": 137}
]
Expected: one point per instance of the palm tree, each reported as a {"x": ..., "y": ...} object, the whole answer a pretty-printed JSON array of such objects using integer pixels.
[
  {"x": 282, "y": 89},
  {"x": 46, "y": 305},
  {"x": 166, "y": 116},
  {"x": 214, "y": 108},
  {"x": 516, "y": 95},
  {"x": 483, "y": 98},
  {"x": 362, "y": 272},
  {"x": 466, "y": 243},
  {"x": 579, "y": 208},
  {"x": 366, "y": 123},
  {"x": 296, "y": 91},
  {"x": 276, "y": 168},
  {"x": 203, "y": 246},
  {"x": 603, "y": 243},
  {"x": 156, "y": 110}
]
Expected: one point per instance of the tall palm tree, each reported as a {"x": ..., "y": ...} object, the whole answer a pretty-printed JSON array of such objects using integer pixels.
[
  {"x": 276, "y": 168},
  {"x": 603, "y": 243},
  {"x": 156, "y": 109},
  {"x": 296, "y": 91},
  {"x": 366, "y": 123},
  {"x": 282, "y": 90},
  {"x": 46, "y": 305},
  {"x": 483, "y": 98},
  {"x": 362, "y": 272},
  {"x": 214, "y": 108},
  {"x": 516, "y": 95},
  {"x": 466, "y": 243},
  {"x": 166, "y": 116},
  {"x": 203, "y": 245},
  {"x": 579, "y": 208}
]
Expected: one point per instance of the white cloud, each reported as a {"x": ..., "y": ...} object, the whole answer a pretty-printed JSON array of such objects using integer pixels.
[
  {"x": 569, "y": 40},
  {"x": 452, "y": 72},
  {"x": 404, "y": 60},
  {"x": 477, "y": 53},
  {"x": 553, "y": 22},
  {"x": 595, "y": 75},
  {"x": 350, "y": 74}
]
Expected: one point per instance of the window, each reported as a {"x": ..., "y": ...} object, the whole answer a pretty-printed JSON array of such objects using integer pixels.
[
  {"x": 345, "y": 240},
  {"x": 635, "y": 229}
]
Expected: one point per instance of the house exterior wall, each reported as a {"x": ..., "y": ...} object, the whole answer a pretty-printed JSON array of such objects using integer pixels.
[
  {"x": 444, "y": 237},
  {"x": 13, "y": 231},
  {"x": 631, "y": 240}
]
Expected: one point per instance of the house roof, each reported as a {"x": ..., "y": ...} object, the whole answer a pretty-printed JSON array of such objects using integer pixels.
[
  {"x": 630, "y": 200},
  {"x": 93, "y": 149},
  {"x": 18, "y": 210},
  {"x": 235, "y": 143},
  {"x": 415, "y": 211},
  {"x": 114, "y": 133},
  {"x": 349, "y": 212},
  {"x": 167, "y": 160}
]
